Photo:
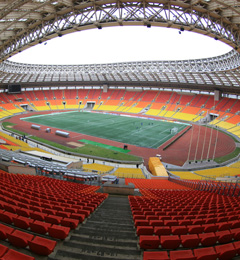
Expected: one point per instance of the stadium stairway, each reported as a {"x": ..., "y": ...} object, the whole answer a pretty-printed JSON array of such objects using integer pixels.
[{"x": 108, "y": 234}]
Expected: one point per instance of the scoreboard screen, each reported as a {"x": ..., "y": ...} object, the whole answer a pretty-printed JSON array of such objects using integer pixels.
[{"x": 14, "y": 89}]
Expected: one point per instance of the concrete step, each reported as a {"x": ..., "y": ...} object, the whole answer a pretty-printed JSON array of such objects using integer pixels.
[
  {"x": 109, "y": 226},
  {"x": 101, "y": 249},
  {"x": 68, "y": 254},
  {"x": 104, "y": 241},
  {"x": 108, "y": 234}
]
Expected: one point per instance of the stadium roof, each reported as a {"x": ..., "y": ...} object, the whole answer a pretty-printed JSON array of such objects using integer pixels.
[{"x": 25, "y": 23}]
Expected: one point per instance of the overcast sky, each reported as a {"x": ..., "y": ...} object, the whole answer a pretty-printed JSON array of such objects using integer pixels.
[{"x": 122, "y": 44}]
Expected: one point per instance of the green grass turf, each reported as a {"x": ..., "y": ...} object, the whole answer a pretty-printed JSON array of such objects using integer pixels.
[
  {"x": 121, "y": 150},
  {"x": 130, "y": 130}
]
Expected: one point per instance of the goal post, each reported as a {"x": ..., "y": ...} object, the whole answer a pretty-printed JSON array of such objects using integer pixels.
[{"x": 174, "y": 130}]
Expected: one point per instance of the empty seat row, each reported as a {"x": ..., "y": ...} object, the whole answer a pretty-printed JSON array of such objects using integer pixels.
[
  {"x": 221, "y": 252},
  {"x": 155, "y": 221},
  {"x": 10, "y": 218},
  {"x": 18, "y": 238},
  {"x": 188, "y": 240},
  {"x": 183, "y": 230},
  {"x": 10, "y": 254}
]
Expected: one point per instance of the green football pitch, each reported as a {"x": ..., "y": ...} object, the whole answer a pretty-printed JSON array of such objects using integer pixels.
[{"x": 130, "y": 130}]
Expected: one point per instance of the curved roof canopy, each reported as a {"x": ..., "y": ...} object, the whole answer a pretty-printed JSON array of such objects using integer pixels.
[{"x": 25, "y": 23}]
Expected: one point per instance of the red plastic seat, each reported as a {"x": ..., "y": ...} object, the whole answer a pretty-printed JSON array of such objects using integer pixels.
[
  {"x": 22, "y": 222},
  {"x": 160, "y": 231},
  {"x": 179, "y": 230},
  {"x": 170, "y": 242},
  {"x": 3, "y": 250},
  {"x": 224, "y": 236},
  {"x": 63, "y": 214},
  {"x": 58, "y": 208},
  {"x": 149, "y": 242},
  {"x": 7, "y": 217},
  {"x": 224, "y": 226},
  {"x": 185, "y": 222},
  {"x": 78, "y": 216},
  {"x": 171, "y": 223},
  {"x": 236, "y": 233},
  {"x": 237, "y": 246},
  {"x": 195, "y": 229},
  {"x": 135, "y": 217},
  {"x": 144, "y": 230},
  {"x": 42, "y": 246},
  {"x": 222, "y": 219},
  {"x": 58, "y": 232},
  {"x": 10, "y": 208},
  {"x": 205, "y": 253},
  {"x": 69, "y": 222},
  {"x": 40, "y": 227},
  {"x": 182, "y": 255},
  {"x": 84, "y": 212},
  {"x": 210, "y": 228},
  {"x": 38, "y": 215},
  {"x": 71, "y": 210},
  {"x": 4, "y": 230},
  {"x": 49, "y": 211},
  {"x": 198, "y": 221},
  {"x": 19, "y": 238},
  {"x": 53, "y": 219},
  {"x": 155, "y": 223},
  {"x": 152, "y": 217},
  {"x": 235, "y": 223},
  {"x": 211, "y": 220},
  {"x": 208, "y": 239},
  {"x": 24, "y": 212},
  {"x": 158, "y": 255},
  {"x": 14, "y": 255},
  {"x": 226, "y": 252},
  {"x": 141, "y": 222},
  {"x": 190, "y": 241}
]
